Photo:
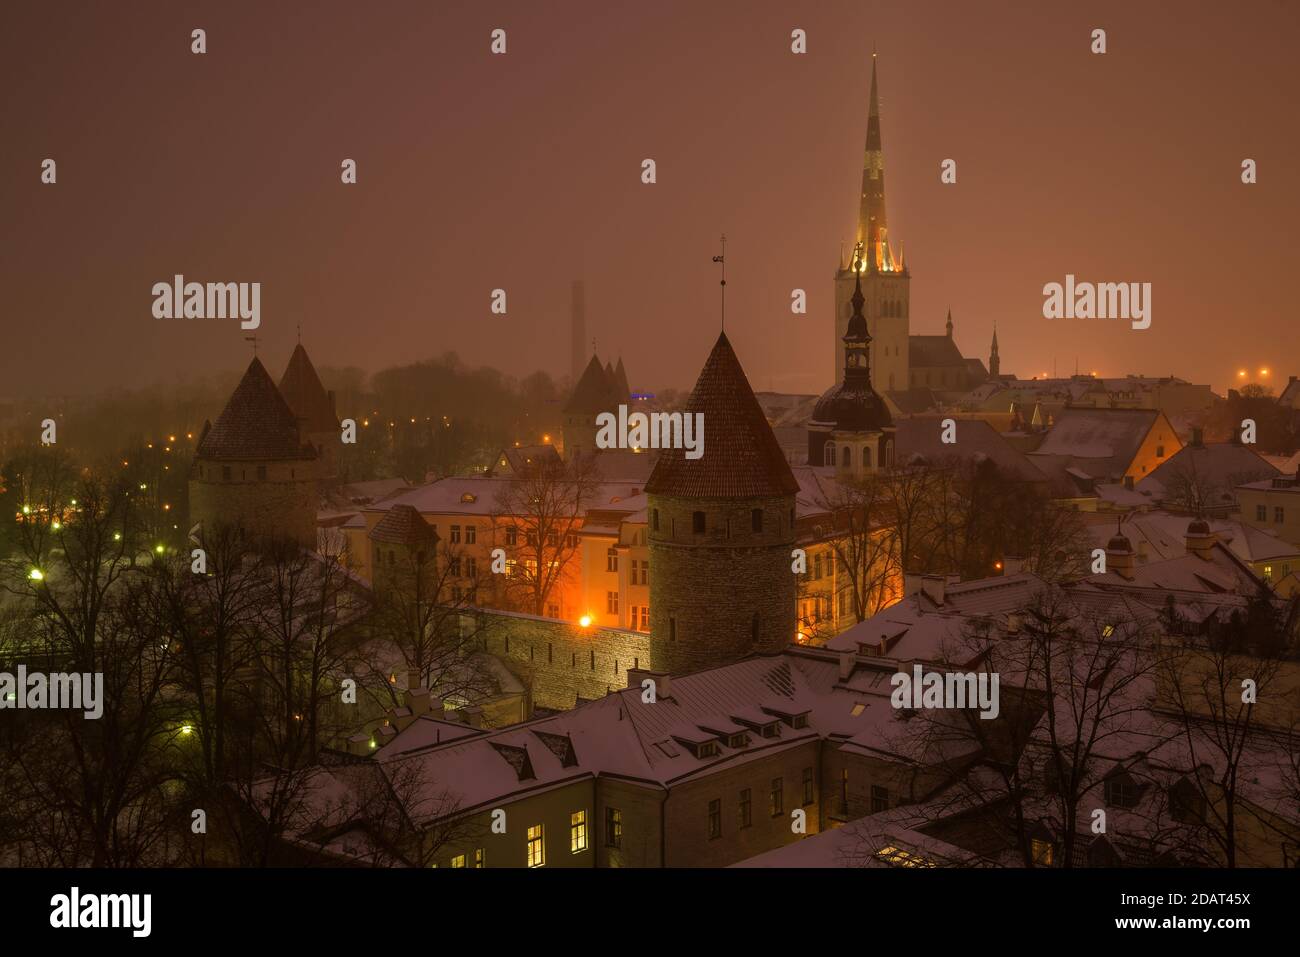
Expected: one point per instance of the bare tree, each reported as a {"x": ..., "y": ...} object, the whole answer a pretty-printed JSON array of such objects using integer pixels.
[{"x": 545, "y": 507}]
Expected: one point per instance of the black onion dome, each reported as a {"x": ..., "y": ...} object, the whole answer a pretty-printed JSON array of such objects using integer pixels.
[{"x": 851, "y": 408}]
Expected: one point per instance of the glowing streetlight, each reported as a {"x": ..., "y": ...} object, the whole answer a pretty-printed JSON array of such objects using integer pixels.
[
  {"x": 187, "y": 729},
  {"x": 158, "y": 549},
  {"x": 36, "y": 575},
  {"x": 585, "y": 621}
]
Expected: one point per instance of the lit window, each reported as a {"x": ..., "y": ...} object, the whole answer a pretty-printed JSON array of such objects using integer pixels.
[
  {"x": 1041, "y": 852},
  {"x": 536, "y": 847},
  {"x": 480, "y": 858},
  {"x": 611, "y": 602},
  {"x": 611, "y": 561},
  {"x": 578, "y": 831},
  {"x": 458, "y": 860}
]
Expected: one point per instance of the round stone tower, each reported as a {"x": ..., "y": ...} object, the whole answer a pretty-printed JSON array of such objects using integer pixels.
[
  {"x": 721, "y": 530},
  {"x": 252, "y": 470}
]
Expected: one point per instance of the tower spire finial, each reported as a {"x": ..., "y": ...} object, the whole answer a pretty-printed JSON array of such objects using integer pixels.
[{"x": 722, "y": 261}]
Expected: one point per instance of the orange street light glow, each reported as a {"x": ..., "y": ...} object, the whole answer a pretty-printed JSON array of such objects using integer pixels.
[{"x": 585, "y": 621}]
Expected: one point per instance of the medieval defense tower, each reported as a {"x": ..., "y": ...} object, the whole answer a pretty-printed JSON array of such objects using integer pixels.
[{"x": 721, "y": 529}]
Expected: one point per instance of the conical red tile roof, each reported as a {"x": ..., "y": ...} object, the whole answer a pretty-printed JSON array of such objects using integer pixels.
[
  {"x": 307, "y": 398},
  {"x": 742, "y": 458},
  {"x": 255, "y": 424}
]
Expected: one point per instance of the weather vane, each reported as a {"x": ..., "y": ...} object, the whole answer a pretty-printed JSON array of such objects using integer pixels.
[{"x": 722, "y": 260}]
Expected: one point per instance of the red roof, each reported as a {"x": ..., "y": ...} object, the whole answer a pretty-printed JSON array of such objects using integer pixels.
[
  {"x": 403, "y": 525},
  {"x": 742, "y": 458},
  {"x": 255, "y": 424}
]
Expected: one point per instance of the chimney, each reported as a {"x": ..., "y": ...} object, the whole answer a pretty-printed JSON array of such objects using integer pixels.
[
  {"x": 662, "y": 679},
  {"x": 1200, "y": 540},
  {"x": 473, "y": 716},
  {"x": 1013, "y": 625},
  {"x": 911, "y": 583},
  {"x": 416, "y": 699},
  {"x": 1198, "y": 437},
  {"x": 1128, "y": 482},
  {"x": 847, "y": 660},
  {"x": 1012, "y": 566},
  {"x": 1119, "y": 556},
  {"x": 933, "y": 586}
]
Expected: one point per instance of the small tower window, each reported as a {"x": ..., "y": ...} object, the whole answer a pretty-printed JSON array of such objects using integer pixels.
[
  {"x": 654, "y": 519},
  {"x": 866, "y": 456},
  {"x": 846, "y": 457},
  {"x": 828, "y": 456},
  {"x": 697, "y": 523},
  {"x": 672, "y": 629},
  {"x": 756, "y": 519},
  {"x": 261, "y": 473}
]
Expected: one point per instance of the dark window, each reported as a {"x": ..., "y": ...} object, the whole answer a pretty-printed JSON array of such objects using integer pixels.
[
  {"x": 1261, "y": 511},
  {"x": 512, "y": 535},
  {"x": 756, "y": 519},
  {"x": 225, "y": 474},
  {"x": 1120, "y": 792},
  {"x": 844, "y": 790},
  {"x": 261, "y": 473},
  {"x": 879, "y": 799},
  {"x": 746, "y": 808},
  {"x": 672, "y": 629},
  {"x": 455, "y": 534},
  {"x": 776, "y": 798},
  {"x": 697, "y": 523},
  {"x": 654, "y": 519},
  {"x": 1279, "y": 514},
  {"x": 613, "y": 827},
  {"x": 807, "y": 786},
  {"x": 471, "y": 534},
  {"x": 715, "y": 818}
]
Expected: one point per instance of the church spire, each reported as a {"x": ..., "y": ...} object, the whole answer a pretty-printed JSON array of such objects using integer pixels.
[
  {"x": 994, "y": 362},
  {"x": 857, "y": 340},
  {"x": 873, "y": 231},
  {"x": 948, "y": 326}
]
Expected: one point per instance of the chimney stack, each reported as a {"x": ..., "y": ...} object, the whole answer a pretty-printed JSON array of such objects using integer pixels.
[
  {"x": 1012, "y": 566},
  {"x": 1198, "y": 437},
  {"x": 1200, "y": 540},
  {"x": 1119, "y": 556},
  {"x": 846, "y": 665},
  {"x": 933, "y": 586}
]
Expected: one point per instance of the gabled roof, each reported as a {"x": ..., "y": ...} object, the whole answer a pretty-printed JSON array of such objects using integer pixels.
[
  {"x": 742, "y": 457},
  {"x": 934, "y": 351},
  {"x": 1103, "y": 442},
  {"x": 305, "y": 395},
  {"x": 256, "y": 424},
  {"x": 595, "y": 392},
  {"x": 1216, "y": 469},
  {"x": 922, "y": 436}
]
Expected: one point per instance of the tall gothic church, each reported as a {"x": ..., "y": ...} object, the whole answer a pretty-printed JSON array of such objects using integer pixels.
[{"x": 884, "y": 276}]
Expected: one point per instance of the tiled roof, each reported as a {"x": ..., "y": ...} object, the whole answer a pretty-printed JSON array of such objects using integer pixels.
[
  {"x": 742, "y": 457},
  {"x": 256, "y": 424},
  {"x": 308, "y": 399},
  {"x": 923, "y": 435},
  {"x": 1215, "y": 469},
  {"x": 1103, "y": 442},
  {"x": 403, "y": 525}
]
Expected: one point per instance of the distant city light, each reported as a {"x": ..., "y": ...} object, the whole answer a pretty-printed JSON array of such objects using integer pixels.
[
  {"x": 27, "y": 510},
  {"x": 117, "y": 536},
  {"x": 56, "y": 525},
  {"x": 1241, "y": 374},
  {"x": 1263, "y": 372}
]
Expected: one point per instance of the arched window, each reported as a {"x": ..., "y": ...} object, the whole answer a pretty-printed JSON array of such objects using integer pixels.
[
  {"x": 828, "y": 455},
  {"x": 866, "y": 456},
  {"x": 846, "y": 457}
]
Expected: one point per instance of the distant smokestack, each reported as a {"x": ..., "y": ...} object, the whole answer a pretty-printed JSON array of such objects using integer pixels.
[{"x": 578, "y": 360}]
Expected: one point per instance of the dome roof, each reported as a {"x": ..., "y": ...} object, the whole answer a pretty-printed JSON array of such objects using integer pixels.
[{"x": 852, "y": 407}]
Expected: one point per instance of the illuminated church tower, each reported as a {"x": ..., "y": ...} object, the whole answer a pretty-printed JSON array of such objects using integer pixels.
[{"x": 884, "y": 276}]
